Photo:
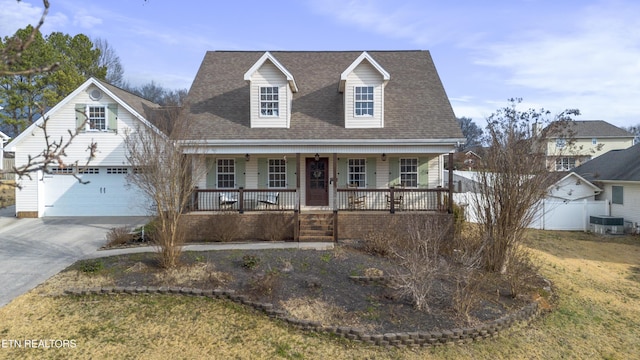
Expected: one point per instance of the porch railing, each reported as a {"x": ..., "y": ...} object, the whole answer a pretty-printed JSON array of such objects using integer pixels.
[
  {"x": 242, "y": 200},
  {"x": 392, "y": 200},
  {"x": 347, "y": 199}
]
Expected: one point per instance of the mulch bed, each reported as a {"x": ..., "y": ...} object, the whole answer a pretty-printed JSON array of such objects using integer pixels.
[{"x": 316, "y": 285}]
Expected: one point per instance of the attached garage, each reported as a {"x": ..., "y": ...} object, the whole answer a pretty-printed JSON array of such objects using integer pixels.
[
  {"x": 89, "y": 126},
  {"x": 105, "y": 192}
]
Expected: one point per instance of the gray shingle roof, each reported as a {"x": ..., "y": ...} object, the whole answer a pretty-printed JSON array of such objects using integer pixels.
[
  {"x": 596, "y": 129},
  {"x": 621, "y": 165},
  {"x": 142, "y": 106},
  {"x": 416, "y": 105}
]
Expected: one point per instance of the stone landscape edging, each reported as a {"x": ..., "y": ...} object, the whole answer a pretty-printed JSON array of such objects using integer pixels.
[{"x": 400, "y": 339}]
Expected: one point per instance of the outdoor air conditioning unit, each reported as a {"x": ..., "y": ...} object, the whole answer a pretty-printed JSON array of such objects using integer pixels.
[{"x": 603, "y": 224}]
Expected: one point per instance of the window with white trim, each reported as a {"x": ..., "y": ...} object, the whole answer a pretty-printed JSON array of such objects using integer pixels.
[
  {"x": 594, "y": 141},
  {"x": 565, "y": 163},
  {"x": 363, "y": 97},
  {"x": 269, "y": 101},
  {"x": 97, "y": 117},
  {"x": 357, "y": 173},
  {"x": 277, "y": 173},
  {"x": 226, "y": 173},
  {"x": 409, "y": 172},
  {"x": 561, "y": 143}
]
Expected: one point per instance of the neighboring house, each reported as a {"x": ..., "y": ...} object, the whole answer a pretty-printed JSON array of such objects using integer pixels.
[
  {"x": 3, "y": 139},
  {"x": 112, "y": 113},
  {"x": 569, "y": 186},
  {"x": 588, "y": 139},
  {"x": 310, "y": 126},
  {"x": 617, "y": 173},
  {"x": 569, "y": 202}
]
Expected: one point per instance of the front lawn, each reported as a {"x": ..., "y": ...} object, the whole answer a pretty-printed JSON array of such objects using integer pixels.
[{"x": 596, "y": 280}]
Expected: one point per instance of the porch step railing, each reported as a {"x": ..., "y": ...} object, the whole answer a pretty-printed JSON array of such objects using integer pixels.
[
  {"x": 244, "y": 200},
  {"x": 392, "y": 200}
]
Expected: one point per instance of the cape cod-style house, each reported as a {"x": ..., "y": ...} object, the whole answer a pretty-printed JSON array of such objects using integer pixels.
[
  {"x": 313, "y": 121},
  {"x": 299, "y": 132},
  {"x": 325, "y": 131}
]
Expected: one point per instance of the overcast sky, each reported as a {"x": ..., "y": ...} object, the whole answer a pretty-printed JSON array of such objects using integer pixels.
[{"x": 555, "y": 54}]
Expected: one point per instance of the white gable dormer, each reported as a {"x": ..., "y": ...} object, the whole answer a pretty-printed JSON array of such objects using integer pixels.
[
  {"x": 271, "y": 93},
  {"x": 362, "y": 84}
]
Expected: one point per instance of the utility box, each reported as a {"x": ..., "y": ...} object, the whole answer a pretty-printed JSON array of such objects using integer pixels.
[{"x": 603, "y": 224}]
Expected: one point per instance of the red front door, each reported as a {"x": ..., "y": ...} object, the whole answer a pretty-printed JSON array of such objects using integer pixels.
[{"x": 317, "y": 186}]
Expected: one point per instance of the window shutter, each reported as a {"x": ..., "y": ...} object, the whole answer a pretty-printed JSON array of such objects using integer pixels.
[
  {"x": 371, "y": 173},
  {"x": 211, "y": 174},
  {"x": 113, "y": 117},
  {"x": 240, "y": 172},
  {"x": 394, "y": 171},
  {"x": 343, "y": 172},
  {"x": 263, "y": 173},
  {"x": 81, "y": 116},
  {"x": 423, "y": 172},
  {"x": 291, "y": 174}
]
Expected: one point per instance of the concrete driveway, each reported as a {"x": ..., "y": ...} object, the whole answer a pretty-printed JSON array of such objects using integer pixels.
[{"x": 33, "y": 250}]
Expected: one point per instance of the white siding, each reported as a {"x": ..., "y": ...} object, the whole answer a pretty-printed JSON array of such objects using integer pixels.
[
  {"x": 110, "y": 145},
  {"x": 630, "y": 209},
  {"x": 364, "y": 75},
  {"x": 435, "y": 171},
  {"x": 382, "y": 174},
  {"x": 572, "y": 188},
  {"x": 269, "y": 75},
  {"x": 251, "y": 173}
]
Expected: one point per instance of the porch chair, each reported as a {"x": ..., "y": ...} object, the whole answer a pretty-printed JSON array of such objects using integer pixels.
[
  {"x": 356, "y": 201},
  {"x": 271, "y": 199},
  {"x": 398, "y": 198},
  {"x": 227, "y": 200}
]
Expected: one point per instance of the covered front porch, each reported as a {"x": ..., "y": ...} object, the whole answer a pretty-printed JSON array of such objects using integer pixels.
[{"x": 304, "y": 182}]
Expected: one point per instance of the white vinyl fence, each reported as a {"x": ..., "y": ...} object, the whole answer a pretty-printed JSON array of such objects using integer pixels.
[{"x": 552, "y": 214}]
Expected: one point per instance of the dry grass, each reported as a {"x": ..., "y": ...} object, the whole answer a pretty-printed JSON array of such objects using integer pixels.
[
  {"x": 7, "y": 193},
  {"x": 317, "y": 310},
  {"x": 596, "y": 316}
]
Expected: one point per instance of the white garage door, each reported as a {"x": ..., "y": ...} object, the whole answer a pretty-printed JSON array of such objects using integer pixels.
[{"x": 105, "y": 194}]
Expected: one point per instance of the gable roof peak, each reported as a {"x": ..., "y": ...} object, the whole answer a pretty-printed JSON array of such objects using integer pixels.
[
  {"x": 364, "y": 56},
  {"x": 267, "y": 56}
]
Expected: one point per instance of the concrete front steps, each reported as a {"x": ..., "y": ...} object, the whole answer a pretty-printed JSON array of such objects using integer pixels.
[{"x": 316, "y": 227}]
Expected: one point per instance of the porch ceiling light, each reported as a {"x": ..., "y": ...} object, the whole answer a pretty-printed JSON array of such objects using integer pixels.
[
  {"x": 317, "y": 157},
  {"x": 247, "y": 157},
  {"x": 384, "y": 157}
]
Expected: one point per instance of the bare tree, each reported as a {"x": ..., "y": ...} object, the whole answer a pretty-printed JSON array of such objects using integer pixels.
[
  {"x": 110, "y": 60},
  {"x": 514, "y": 177},
  {"x": 416, "y": 242},
  {"x": 164, "y": 174}
]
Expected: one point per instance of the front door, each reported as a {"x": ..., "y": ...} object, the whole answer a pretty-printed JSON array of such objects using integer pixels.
[{"x": 317, "y": 187}]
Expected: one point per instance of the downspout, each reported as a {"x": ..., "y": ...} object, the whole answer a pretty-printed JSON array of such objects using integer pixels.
[
  {"x": 334, "y": 179},
  {"x": 450, "y": 169}
]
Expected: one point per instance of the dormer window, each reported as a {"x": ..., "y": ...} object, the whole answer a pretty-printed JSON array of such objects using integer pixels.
[
  {"x": 269, "y": 101},
  {"x": 363, "y": 100},
  {"x": 271, "y": 92},
  {"x": 362, "y": 84}
]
